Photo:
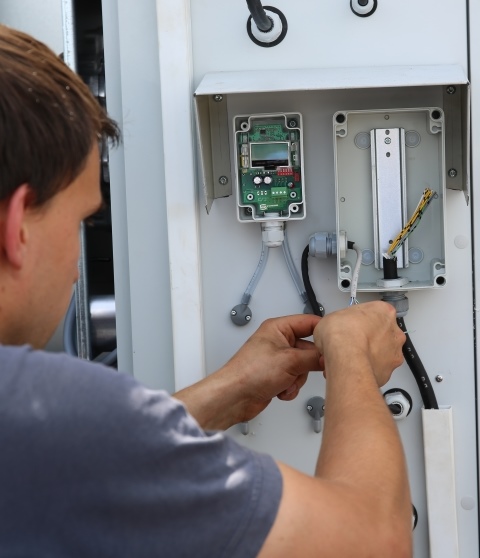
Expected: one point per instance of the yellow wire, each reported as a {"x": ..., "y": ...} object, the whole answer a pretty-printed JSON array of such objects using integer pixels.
[{"x": 413, "y": 221}]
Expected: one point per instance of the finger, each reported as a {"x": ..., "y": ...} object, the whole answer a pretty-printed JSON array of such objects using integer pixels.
[
  {"x": 297, "y": 326},
  {"x": 303, "y": 360},
  {"x": 305, "y": 345},
  {"x": 290, "y": 393}
]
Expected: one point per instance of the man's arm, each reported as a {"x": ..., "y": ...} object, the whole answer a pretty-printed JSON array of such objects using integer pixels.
[
  {"x": 358, "y": 503},
  {"x": 274, "y": 362}
]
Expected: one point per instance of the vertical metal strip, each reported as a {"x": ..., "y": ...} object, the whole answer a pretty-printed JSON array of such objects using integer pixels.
[
  {"x": 81, "y": 288},
  {"x": 389, "y": 191}
]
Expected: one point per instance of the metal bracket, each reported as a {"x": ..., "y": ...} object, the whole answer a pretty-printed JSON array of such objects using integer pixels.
[{"x": 316, "y": 409}]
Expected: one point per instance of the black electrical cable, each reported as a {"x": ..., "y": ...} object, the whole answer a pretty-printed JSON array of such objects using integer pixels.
[
  {"x": 395, "y": 408},
  {"x": 410, "y": 354},
  {"x": 317, "y": 308},
  {"x": 418, "y": 370},
  {"x": 259, "y": 16}
]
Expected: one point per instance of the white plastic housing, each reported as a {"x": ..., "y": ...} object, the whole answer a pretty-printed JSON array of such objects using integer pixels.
[
  {"x": 440, "y": 481},
  {"x": 243, "y": 156},
  {"x": 384, "y": 160}
]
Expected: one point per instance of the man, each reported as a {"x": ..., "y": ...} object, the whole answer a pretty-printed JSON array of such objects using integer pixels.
[{"x": 94, "y": 464}]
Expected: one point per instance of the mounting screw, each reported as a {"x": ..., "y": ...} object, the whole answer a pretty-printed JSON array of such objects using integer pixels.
[
  {"x": 233, "y": 312},
  {"x": 439, "y": 378},
  {"x": 248, "y": 317},
  {"x": 309, "y": 408},
  {"x": 292, "y": 124},
  {"x": 218, "y": 98},
  {"x": 388, "y": 140},
  {"x": 452, "y": 173},
  {"x": 223, "y": 180},
  {"x": 451, "y": 89}
]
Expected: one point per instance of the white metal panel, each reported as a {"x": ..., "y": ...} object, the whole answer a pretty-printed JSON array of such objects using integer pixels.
[
  {"x": 181, "y": 200},
  {"x": 364, "y": 77},
  {"x": 138, "y": 188},
  {"x": 327, "y": 34},
  {"x": 230, "y": 252}
]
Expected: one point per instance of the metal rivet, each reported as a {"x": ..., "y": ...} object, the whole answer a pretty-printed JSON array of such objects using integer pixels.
[
  {"x": 218, "y": 98},
  {"x": 439, "y": 378},
  {"x": 452, "y": 173},
  {"x": 223, "y": 180},
  {"x": 451, "y": 89}
]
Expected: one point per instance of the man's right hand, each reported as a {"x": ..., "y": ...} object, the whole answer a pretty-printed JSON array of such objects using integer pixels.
[
  {"x": 366, "y": 330},
  {"x": 358, "y": 504}
]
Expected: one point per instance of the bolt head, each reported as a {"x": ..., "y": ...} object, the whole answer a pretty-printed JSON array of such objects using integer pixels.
[
  {"x": 439, "y": 378},
  {"x": 309, "y": 408},
  {"x": 388, "y": 140},
  {"x": 218, "y": 98},
  {"x": 292, "y": 124},
  {"x": 248, "y": 317},
  {"x": 451, "y": 89},
  {"x": 452, "y": 173},
  {"x": 223, "y": 180},
  {"x": 233, "y": 312}
]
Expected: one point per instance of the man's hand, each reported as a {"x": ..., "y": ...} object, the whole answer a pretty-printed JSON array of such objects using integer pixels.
[
  {"x": 365, "y": 331},
  {"x": 275, "y": 361},
  {"x": 361, "y": 476}
]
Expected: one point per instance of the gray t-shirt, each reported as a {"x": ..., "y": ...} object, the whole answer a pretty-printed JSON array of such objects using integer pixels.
[{"x": 93, "y": 464}]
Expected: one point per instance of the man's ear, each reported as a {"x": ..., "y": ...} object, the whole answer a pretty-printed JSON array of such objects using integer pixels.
[{"x": 15, "y": 230}]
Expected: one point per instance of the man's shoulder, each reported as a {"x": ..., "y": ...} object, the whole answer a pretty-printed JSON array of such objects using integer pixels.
[{"x": 57, "y": 385}]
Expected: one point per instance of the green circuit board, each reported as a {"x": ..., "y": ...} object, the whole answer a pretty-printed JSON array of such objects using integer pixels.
[{"x": 270, "y": 175}]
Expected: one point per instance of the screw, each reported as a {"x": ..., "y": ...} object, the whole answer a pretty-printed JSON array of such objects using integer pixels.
[
  {"x": 218, "y": 98},
  {"x": 309, "y": 408},
  {"x": 233, "y": 312},
  {"x": 292, "y": 123},
  {"x": 388, "y": 140},
  {"x": 323, "y": 407},
  {"x": 452, "y": 173},
  {"x": 248, "y": 317},
  {"x": 223, "y": 180},
  {"x": 386, "y": 117},
  {"x": 439, "y": 378},
  {"x": 451, "y": 89}
]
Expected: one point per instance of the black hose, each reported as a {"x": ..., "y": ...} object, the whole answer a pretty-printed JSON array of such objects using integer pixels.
[
  {"x": 418, "y": 370},
  {"x": 317, "y": 309},
  {"x": 259, "y": 16}
]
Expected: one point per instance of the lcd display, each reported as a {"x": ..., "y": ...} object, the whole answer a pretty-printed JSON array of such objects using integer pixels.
[{"x": 269, "y": 154}]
